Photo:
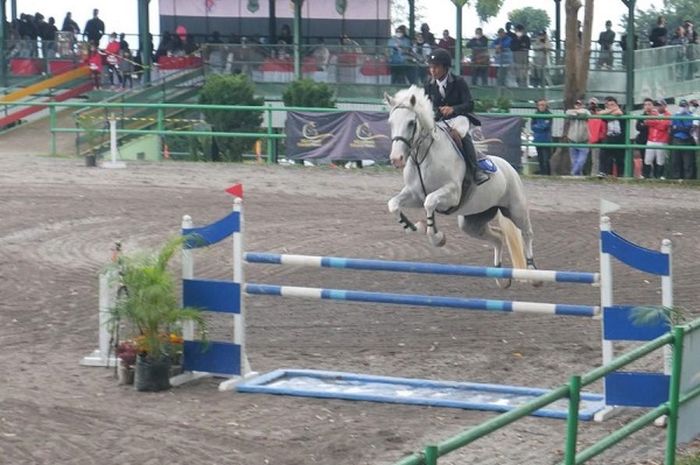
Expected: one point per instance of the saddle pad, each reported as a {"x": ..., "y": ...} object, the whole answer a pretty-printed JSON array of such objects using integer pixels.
[{"x": 487, "y": 165}]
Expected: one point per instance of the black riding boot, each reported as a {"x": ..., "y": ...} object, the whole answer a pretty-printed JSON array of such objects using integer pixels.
[{"x": 473, "y": 170}]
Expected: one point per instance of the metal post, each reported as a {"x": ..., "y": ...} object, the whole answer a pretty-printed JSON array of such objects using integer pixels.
[
  {"x": 297, "y": 38},
  {"x": 431, "y": 455},
  {"x": 458, "y": 45},
  {"x": 674, "y": 395},
  {"x": 272, "y": 23},
  {"x": 52, "y": 126},
  {"x": 160, "y": 123},
  {"x": 606, "y": 288},
  {"x": 3, "y": 61},
  {"x": 145, "y": 40},
  {"x": 667, "y": 297},
  {"x": 629, "y": 152},
  {"x": 270, "y": 142},
  {"x": 629, "y": 71},
  {"x": 557, "y": 32},
  {"x": 572, "y": 420},
  {"x": 411, "y": 19}
]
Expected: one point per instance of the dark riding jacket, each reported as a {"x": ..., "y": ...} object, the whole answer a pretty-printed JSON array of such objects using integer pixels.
[{"x": 457, "y": 96}]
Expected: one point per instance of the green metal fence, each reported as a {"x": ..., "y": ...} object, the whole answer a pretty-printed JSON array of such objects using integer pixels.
[
  {"x": 572, "y": 390},
  {"x": 270, "y": 135}
]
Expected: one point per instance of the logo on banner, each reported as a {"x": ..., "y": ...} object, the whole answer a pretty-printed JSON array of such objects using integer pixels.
[
  {"x": 480, "y": 142},
  {"x": 365, "y": 137},
  {"x": 311, "y": 136}
]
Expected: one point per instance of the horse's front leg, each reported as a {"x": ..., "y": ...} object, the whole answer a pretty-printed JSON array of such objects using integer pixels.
[
  {"x": 403, "y": 199},
  {"x": 443, "y": 198}
]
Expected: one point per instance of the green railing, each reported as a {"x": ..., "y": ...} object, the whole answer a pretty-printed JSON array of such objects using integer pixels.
[
  {"x": 269, "y": 134},
  {"x": 572, "y": 390}
]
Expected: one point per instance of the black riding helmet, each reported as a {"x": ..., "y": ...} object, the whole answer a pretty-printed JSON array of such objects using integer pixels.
[{"x": 440, "y": 56}]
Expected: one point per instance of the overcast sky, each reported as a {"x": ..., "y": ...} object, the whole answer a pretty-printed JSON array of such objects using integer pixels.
[{"x": 121, "y": 15}]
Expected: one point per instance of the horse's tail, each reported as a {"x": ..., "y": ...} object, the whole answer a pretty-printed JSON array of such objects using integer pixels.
[{"x": 514, "y": 241}]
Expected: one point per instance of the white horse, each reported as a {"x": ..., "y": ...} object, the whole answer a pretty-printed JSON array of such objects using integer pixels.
[{"x": 433, "y": 175}]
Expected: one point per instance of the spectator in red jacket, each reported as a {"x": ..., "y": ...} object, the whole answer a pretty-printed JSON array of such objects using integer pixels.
[
  {"x": 94, "y": 61},
  {"x": 112, "y": 50},
  {"x": 596, "y": 134},
  {"x": 659, "y": 136}
]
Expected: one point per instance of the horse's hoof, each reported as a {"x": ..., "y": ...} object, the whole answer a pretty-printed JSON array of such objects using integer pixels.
[
  {"x": 504, "y": 283},
  {"x": 421, "y": 227},
  {"x": 438, "y": 239}
]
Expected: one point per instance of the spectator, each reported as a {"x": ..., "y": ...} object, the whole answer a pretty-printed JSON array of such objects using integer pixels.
[
  {"x": 682, "y": 161},
  {"x": 348, "y": 45},
  {"x": 681, "y": 41},
  {"x": 126, "y": 66},
  {"x": 542, "y": 132},
  {"x": 521, "y": 48},
  {"x": 643, "y": 134},
  {"x": 421, "y": 52},
  {"x": 623, "y": 46},
  {"x": 28, "y": 34},
  {"x": 447, "y": 43},
  {"x": 94, "y": 61},
  {"x": 191, "y": 46},
  {"x": 695, "y": 110},
  {"x": 285, "y": 36},
  {"x": 577, "y": 133},
  {"x": 322, "y": 55},
  {"x": 658, "y": 37},
  {"x": 504, "y": 57},
  {"x": 94, "y": 28},
  {"x": 479, "y": 46},
  {"x": 47, "y": 33},
  {"x": 69, "y": 25},
  {"x": 112, "y": 52},
  {"x": 123, "y": 44},
  {"x": 692, "y": 36},
  {"x": 655, "y": 154},
  {"x": 399, "y": 50},
  {"x": 606, "y": 40},
  {"x": 596, "y": 134},
  {"x": 540, "y": 60},
  {"x": 510, "y": 33},
  {"x": 428, "y": 36},
  {"x": 615, "y": 134}
]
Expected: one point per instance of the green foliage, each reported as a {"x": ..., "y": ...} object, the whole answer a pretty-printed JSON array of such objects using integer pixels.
[
  {"x": 500, "y": 105},
  {"x": 307, "y": 93},
  {"x": 534, "y": 19},
  {"x": 488, "y": 8},
  {"x": 234, "y": 89},
  {"x": 150, "y": 305},
  {"x": 649, "y": 315}
]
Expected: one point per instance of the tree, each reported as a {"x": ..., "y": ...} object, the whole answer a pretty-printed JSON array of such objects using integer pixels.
[
  {"x": 675, "y": 12},
  {"x": 234, "y": 89},
  {"x": 577, "y": 52},
  {"x": 533, "y": 19}
]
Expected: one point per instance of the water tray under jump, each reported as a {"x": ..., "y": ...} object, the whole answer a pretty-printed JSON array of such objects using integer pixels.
[{"x": 463, "y": 395}]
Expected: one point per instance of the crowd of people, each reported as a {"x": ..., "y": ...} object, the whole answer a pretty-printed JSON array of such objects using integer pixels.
[{"x": 681, "y": 129}]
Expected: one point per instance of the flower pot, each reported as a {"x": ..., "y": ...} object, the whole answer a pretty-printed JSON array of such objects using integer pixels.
[
  {"x": 91, "y": 160},
  {"x": 125, "y": 374},
  {"x": 152, "y": 374}
]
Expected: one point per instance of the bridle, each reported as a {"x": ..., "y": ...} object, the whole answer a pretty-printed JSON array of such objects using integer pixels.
[{"x": 414, "y": 151}]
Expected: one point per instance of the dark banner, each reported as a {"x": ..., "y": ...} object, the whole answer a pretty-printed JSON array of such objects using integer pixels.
[
  {"x": 352, "y": 135},
  {"x": 501, "y": 137},
  {"x": 361, "y": 135}
]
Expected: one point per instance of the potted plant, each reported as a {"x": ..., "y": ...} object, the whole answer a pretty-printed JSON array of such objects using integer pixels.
[
  {"x": 150, "y": 309},
  {"x": 126, "y": 353},
  {"x": 92, "y": 136}
]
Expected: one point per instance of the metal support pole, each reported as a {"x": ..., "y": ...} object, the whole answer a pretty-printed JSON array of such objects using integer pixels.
[
  {"x": 270, "y": 142},
  {"x": 431, "y": 455},
  {"x": 145, "y": 41},
  {"x": 674, "y": 396},
  {"x": 458, "y": 45},
  {"x": 629, "y": 71},
  {"x": 572, "y": 420},
  {"x": 297, "y": 38},
  {"x": 3, "y": 34},
  {"x": 52, "y": 126},
  {"x": 411, "y": 19},
  {"x": 557, "y": 32}
]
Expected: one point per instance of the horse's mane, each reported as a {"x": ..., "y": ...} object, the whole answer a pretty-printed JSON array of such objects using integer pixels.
[{"x": 423, "y": 106}]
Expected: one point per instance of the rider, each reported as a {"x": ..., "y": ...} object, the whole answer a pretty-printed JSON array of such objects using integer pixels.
[{"x": 451, "y": 97}]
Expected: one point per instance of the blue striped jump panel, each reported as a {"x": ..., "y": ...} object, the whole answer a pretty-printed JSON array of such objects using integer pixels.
[
  {"x": 204, "y": 236},
  {"x": 212, "y": 295},
  {"x": 217, "y": 358},
  {"x": 422, "y": 392},
  {"x": 639, "y": 258},
  {"x": 636, "y": 389},
  {"x": 619, "y": 325}
]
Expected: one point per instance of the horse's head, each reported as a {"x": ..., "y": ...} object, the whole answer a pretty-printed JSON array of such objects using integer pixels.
[{"x": 410, "y": 113}]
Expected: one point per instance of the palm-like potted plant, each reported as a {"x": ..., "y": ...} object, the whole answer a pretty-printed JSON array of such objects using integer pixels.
[{"x": 150, "y": 309}]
